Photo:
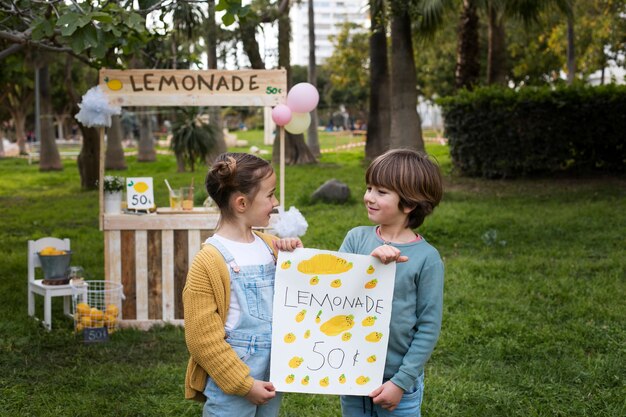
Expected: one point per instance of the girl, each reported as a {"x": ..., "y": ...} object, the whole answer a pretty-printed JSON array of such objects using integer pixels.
[
  {"x": 403, "y": 187},
  {"x": 229, "y": 293}
]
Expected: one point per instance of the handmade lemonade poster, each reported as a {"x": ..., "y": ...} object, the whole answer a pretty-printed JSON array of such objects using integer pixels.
[
  {"x": 139, "y": 193},
  {"x": 330, "y": 322}
]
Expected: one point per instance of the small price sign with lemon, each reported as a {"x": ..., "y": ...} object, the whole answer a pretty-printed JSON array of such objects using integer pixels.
[
  {"x": 139, "y": 193},
  {"x": 330, "y": 322}
]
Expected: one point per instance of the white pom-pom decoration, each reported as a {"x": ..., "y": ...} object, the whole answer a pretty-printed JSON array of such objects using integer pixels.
[
  {"x": 290, "y": 223},
  {"x": 95, "y": 110}
]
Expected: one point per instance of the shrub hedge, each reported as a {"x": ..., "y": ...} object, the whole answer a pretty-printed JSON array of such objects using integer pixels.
[{"x": 503, "y": 133}]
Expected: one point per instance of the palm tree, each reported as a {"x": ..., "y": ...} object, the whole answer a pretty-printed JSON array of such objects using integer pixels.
[
  {"x": 406, "y": 126},
  {"x": 379, "y": 121},
  {"x": 312, "y": 139},
  {"x": 468, "y": 48},
  {"x": 296, "y": 150}
]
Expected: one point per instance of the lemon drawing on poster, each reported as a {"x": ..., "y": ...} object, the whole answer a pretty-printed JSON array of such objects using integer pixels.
[
  {"x": 318, "y": 318},
  {"x": 336, "y": 283},
  {"x": 307, "y": 334},
  {"x": 324, "y": 382},
  {"x": 362, "y": 380},
  {"x": 346, "y": 336},
  {"x": 315, "y": 280},
  {"x": 374, "y": 337},
  {"x": 305, "y": 380},
  {"x": 371, "y": 284},
  {"x": 337, "y": 325},
  {"x": 290, "y": 378},
  {"x": 342, "y": 379},
  {"x": 140, "y": 187},
  {"x": 370, "y": 270},
  {"x": 324, "y": 264},
  {"x": 113, "y": 84},
  {"x": 289, "y": 338},
  {"x": 285, "y": 265},
  {"x": 368, "y": 321},
  {"x": 371, "y": 359},
  {"x": 295, "y": 362},
  {"x": 300, "y": 316}
]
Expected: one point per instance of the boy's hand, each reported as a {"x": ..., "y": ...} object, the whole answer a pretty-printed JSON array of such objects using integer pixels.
[
  {"x": 388, "y": 253},
  {"x": 261, "y": 392},
  {"x": 288, "y": 244},
  {"x": 388, "y": 395}
]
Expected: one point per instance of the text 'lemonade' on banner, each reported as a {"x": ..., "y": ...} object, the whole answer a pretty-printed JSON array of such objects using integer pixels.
[
  {"x": 330, "y": 322},
  {"x": 193, "y": 87}
]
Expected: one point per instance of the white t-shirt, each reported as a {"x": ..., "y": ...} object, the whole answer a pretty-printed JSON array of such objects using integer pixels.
[{"x": 255, "y": 253}]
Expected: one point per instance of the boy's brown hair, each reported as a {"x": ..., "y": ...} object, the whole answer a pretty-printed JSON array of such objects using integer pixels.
[{"x": 414, "y": 176}]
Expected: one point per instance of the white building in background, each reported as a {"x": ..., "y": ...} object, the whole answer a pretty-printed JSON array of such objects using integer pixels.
[{"x": 329, "y": 16}]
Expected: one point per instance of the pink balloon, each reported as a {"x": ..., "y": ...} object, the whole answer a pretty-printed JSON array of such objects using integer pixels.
[
  {"x": 281, "y": 114},
  {"x": 302, "y": 98}
]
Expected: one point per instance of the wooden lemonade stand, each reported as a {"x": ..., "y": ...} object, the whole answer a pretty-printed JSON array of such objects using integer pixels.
[{"x": 150, "y": 254}]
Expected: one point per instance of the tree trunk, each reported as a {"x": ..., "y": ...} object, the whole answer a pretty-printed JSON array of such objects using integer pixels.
[
  {"x": 468, "y": 48},
  {"x": 312, "y": 139},
  {"x": 496, "y": 55},
  {"x": 145, "y": 148},
  {"x": 89, "y": 157},
  {"x": 19, "y": 120},
  {"x": 89, "y": 152},
  {"x": 180, "y": 163},
  {"x": 215, "y": 114},
  {"x": 296, "y": 151},
  {"x": 571, "y": 53},
  {"x": 114, "y": 156},
  {"x": 406, "y": 129},
  {"x": 49, "y": 158},
  {"x": 377, "y": 140},
  {"x": 250, "y": 44}
]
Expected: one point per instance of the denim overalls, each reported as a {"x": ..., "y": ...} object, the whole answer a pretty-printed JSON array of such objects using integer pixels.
[{"x": 250, "y": 338}]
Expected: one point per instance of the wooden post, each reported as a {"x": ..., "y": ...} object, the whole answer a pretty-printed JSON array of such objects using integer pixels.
[
  {"x": 101, "y": 177},
  {"x": 282, "y": 167}
]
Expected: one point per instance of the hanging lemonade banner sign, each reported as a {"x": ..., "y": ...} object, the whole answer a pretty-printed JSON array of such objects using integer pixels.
[
  {"x": 139, "y": 193},
  {"x": 330, "y": 322},
  {"x": 194, "y": 88}
]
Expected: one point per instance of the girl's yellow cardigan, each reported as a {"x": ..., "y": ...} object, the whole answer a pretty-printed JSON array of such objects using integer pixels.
[{"x": 206, "y": 298}]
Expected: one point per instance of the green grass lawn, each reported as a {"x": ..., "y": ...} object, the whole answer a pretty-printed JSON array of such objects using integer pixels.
[{"x": 534, "y": 319}]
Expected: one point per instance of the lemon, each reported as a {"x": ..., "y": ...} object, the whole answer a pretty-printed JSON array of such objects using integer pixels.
[
  {"x": 140, "y": 187},
  {"x": 113, "y": 84},
  {"x": 85, "y": 321},
  {"x": 112, "y": 310},
  {"x": 374, "y": 337},
  {"x": 362, "y": 380},
  {"x": 96, "y": 315},
  {"x": 83, "y": 309},
  {"x": 295, "y": 362},
  {"x": 300, "y": 316}
]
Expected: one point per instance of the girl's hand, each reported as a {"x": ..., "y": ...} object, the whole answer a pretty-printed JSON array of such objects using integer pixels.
[
  {"x": 288, "y": 244},
  {"x": 261, "y": 392},
  {"x": 388, "y": 395},
  {"x": 388, "y": 254}
]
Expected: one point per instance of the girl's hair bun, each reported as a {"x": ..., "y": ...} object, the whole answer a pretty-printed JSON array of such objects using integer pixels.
[{"x": 225, "y": 171}]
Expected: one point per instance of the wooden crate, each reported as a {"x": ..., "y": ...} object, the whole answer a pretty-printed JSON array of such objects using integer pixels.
[{"x": 150, "y": 256}]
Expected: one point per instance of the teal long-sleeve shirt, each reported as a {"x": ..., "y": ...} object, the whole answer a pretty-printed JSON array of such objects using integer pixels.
[{"x": 417, "y": 306}]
